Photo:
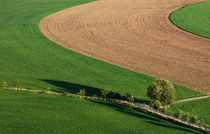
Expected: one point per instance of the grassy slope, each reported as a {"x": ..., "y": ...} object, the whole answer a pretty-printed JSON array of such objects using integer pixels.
[
  {"x": 199, "y": 108},
  {"x": 194, "y": 18},
  {"x": 36, "y": 113},
  {"x": 28, "y": 56}
]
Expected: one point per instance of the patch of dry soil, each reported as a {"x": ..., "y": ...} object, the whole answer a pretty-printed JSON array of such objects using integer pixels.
[{"x": 137, "y": 35}]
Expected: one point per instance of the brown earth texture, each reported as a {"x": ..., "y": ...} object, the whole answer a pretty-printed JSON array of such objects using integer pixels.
[{"x": 137, "y": 35}]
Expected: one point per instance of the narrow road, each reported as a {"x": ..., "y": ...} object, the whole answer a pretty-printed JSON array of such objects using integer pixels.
[
  {"x": 190, "y": 99},
  {"x": 169, "y": 117}
]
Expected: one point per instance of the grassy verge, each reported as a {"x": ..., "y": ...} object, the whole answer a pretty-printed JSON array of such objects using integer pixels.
[
  {"x": 199, "y": 108},
  {"x": 23, "y": 112},
  {"x": 194, "y": 18},
  {"x": 37, "y": 63}
]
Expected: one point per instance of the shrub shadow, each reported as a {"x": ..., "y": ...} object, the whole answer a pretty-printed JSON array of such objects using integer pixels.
[
  {"x": 126, "y": 110},
  {"x": 90, "y": 91},
  {"x": 73, "y": 88}
]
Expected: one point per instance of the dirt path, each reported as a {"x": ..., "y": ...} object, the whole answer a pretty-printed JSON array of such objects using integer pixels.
[
  {"x": 137, "y": 35},
  {"x": 190, "y": 99}
]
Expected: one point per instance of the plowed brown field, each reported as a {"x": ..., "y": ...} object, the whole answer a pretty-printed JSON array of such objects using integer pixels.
[{"x": 137, "y": 35}]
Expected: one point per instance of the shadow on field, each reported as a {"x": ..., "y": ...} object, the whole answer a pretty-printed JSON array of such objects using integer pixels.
[
  {"x": 140, "y": 114},
  {"x": 75, "y": 88},
  {"x": 127, "y": 110}
]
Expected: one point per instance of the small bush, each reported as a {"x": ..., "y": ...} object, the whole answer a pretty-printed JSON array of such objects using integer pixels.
[
  {"x": 105, "y": 93},
  {"x": 82, "y": 92},
  {"x": 124, "y": 96},
  {"x": 164, "y": 109},
  {"x": 4, "y": 84},
  {"x": 131, "y": 98},
  {"x": 127, "y": 97},
  {"x": 186, "y": 116},
  {"x": 178, "y": 114},
  {"x": 194, "y": 119},
  {"x": 201, "y": 122},
  {"x": 156, "y": 105}
]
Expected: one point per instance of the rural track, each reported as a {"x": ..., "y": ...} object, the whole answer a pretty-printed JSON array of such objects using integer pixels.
[
  {"x": 137, "y": 35},
  {"x": 191, "y": 99}
]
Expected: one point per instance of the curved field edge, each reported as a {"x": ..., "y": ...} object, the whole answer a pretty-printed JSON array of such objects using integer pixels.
[
  {"x": 37, "y": 63},
  {"x": 193, "y": 19},
  {"x": 39, "y": 113},
  {"x": 200, "y": 108}
]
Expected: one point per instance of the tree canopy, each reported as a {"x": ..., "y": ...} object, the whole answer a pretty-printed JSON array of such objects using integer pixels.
[{"x": 162, "y": 90}]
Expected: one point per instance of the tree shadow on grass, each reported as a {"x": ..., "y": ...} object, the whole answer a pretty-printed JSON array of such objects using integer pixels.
[
  {"x": 124, "y": 109},
  {"x": 75, "y": 88},
  {"x": 140, "y": 114}
]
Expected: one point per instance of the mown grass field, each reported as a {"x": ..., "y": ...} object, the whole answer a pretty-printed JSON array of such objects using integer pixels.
[
  {"x": 200, "y": 108},
  {"x": 39, "y": 113},
  {"x": 194, "y": 18},
  {"x": 37, "y": 63}
]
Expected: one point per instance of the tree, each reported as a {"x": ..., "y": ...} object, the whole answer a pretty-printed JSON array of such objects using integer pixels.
[
  {"x": 186, "y": 116},
  {"x": 178, "y": 114},
  {"x": 156, "y": 105},
  {"x": 201, "y": 122},
  {"x": 128, "y": 97},
  {"x": 163, "y": 91},
  {"x": 4, "y": 84},
  {"x": 194, "y": 119},
  {"x": 82, "y": 92},
  {"x": 105, "y": 93}
]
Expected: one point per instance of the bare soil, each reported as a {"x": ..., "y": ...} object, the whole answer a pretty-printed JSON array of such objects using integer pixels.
[{"x": 137, "y": 35}]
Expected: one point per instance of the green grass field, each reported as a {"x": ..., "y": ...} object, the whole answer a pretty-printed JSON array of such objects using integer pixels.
[
  {"x": 37, "y": 63},
  {"x": 200, "y": 108},
  {"x": 194, "y": 18},
  {"x": 38, "y": 113}
]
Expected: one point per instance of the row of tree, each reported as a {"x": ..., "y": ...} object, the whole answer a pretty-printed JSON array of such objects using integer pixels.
[
  {"x": 107, "y": 94},
  {"x": 4, "y": 84},
  {"x": 186, "y": 116}
]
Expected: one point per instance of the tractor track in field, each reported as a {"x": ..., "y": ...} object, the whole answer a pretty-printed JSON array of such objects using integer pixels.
[{"x": 137, "y": 35}]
